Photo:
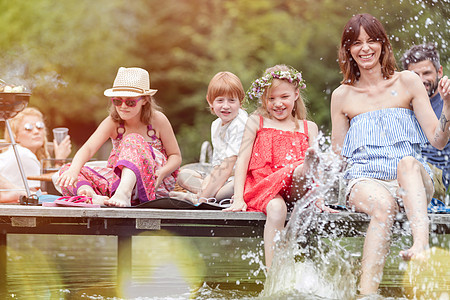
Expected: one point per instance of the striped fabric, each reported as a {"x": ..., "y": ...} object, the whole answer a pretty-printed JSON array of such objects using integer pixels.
[{"x": 377, "y": 140}]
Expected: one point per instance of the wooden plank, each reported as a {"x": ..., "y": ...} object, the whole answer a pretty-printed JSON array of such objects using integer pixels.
[
  {"x": 39, "y": 211},
  {"x": 111, "y": 219},
  {"x": 23, "y": 221},
  {"x": 47, "y": 177},
  {"x": 149, "y": 224}
]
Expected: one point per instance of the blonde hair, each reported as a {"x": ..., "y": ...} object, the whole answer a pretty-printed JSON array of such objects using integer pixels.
[
  {"x": 146, "y": 111},
  {"x": 225, "y": 84},
  {"x": 15, "y": 122},
  {"x": 299, "y": 111}
]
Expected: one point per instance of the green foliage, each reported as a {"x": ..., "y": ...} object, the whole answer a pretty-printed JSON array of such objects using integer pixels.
[{"x": 69, "y": 51}]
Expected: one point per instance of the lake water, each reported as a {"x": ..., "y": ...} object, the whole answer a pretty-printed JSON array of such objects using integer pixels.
[{"x": 170, "y": 267}]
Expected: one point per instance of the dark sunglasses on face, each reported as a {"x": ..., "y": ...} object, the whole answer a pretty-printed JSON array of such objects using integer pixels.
[
  {"x": 130, "y": 102},
  {"x": 29, "y": 126}
]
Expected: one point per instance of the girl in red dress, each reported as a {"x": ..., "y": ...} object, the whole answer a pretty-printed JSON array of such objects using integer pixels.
[{"x": 275, "y": 160}]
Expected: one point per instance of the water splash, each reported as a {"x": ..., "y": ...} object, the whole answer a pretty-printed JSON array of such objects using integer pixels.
[
  {"x": 312, "y": 260},
  {"x": 307, "y": 259}
]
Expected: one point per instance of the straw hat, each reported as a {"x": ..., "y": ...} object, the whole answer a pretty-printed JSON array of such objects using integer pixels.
[{"x": 130, "y": 82}]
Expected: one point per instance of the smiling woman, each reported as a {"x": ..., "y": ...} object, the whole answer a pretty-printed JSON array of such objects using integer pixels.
[
  {"x": 379, "y": 119},
  {"x": 30, "y": 133}
]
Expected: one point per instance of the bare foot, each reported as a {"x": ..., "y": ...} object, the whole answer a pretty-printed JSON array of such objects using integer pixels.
[
  {"x": 416, "y": 253},
  {"x": 321, "y": 207},
  {"x": 96, "y": 199},
  {"x": 184, "y": 196},
  {"x": 119, "y": 200}
]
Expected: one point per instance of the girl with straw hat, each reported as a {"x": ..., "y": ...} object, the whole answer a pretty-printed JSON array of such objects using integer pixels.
[{"x": 145, "y": 158}]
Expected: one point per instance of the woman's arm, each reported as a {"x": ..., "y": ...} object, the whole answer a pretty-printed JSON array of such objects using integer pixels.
[
  {"x": 437, "y": 131},
  {"x": 170, "y": 144},
  {"x": 105, "y": 130},
  {"x": 339, "y": 122},
  {"x": 240, "y": 172}
]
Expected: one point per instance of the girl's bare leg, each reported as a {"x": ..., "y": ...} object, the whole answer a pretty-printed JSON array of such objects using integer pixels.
[
  {"x": 302, "y": 177},
  {"x": 86, "y": 190},
  {"x": 122, "y": 196},
  {"x": 374, "y": 200},
  {"x": 276, "y": 216},
  {"x": 418, "y": 189}
]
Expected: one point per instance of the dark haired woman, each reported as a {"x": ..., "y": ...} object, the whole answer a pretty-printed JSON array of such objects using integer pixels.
[{"x": 379, "y": 118}]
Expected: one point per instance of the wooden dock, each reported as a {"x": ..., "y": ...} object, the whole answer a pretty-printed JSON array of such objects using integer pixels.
[{"x": 128, "y": 222}]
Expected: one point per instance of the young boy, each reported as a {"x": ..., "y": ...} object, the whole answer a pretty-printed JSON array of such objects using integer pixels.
[{"x": 225, "y": 95}]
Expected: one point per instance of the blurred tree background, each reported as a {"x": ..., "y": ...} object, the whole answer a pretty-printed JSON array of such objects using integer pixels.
[{"x": 69, "y": 51}]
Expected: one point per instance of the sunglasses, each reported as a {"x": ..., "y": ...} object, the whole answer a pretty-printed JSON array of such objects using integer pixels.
[
  {"x": 29, "y": 126},
  {"x": 130, "y": 102}
]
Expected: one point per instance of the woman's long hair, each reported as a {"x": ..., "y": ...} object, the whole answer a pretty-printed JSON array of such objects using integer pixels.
[
  {"x": 15, "y": 122},
  {"x": 373, "y": 27}
]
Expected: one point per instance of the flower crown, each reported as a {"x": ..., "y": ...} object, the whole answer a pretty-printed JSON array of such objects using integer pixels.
[{"x": 258, "y": 86}]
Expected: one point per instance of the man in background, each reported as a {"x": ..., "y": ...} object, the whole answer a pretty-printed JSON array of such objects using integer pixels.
[{"x": 424, "y": 61}]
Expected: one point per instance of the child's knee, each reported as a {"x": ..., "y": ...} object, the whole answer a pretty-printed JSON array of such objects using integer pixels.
[
  {"x": 276, "y": 209},
  {"x": 187, "y": 178}
]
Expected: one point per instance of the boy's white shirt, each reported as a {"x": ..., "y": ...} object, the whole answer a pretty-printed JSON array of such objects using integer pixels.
[{"x": 226, "y": 140}]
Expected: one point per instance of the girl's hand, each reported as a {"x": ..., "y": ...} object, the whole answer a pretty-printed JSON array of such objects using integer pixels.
[
  {"x": 68, "y": 178},
  {"x": 159, "y": 176},
  {"x": 237, "y": 205},
  {"x": 63, "y": 149}
]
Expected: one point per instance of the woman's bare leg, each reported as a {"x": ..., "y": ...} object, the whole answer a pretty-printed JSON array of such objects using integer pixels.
[
  {"x": 418, "y": 189},
  {"x": 122, "y": 196},
  {"x": 276, "y": 216},
  {"x": 10, "y": 196},
  {"x": 376, "y": 201}
]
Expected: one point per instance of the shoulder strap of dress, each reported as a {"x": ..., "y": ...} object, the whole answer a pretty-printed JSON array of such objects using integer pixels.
[
  {"x": 261, "y": 121},
  {"x": 305, "y": 127},
  {"x": 120, "y": 130},
  {"x": 151, "y": 132}
]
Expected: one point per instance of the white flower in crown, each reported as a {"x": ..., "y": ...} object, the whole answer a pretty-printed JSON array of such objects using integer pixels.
[{"x": 258, "y": 86}]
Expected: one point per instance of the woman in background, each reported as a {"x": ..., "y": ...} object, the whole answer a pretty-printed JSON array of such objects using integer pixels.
[{"x": 30, "y": 133}]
